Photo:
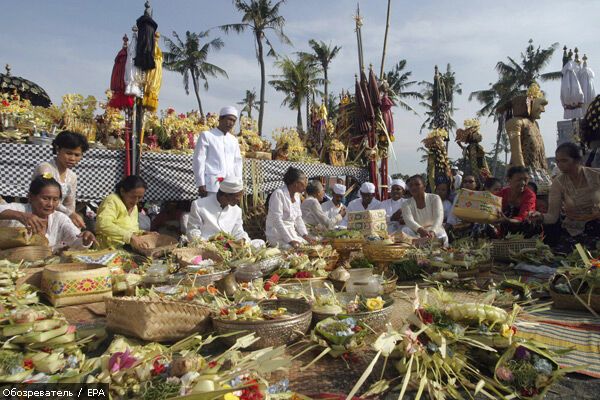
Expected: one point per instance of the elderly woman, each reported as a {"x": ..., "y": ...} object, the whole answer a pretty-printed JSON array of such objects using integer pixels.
[
  {"x": 518, "y": 202},
  {"x": 68, "y": 148},
  {"x": 312, "y": 213},
  {"x": 423, "y": 213},
  {"x": 117, "y": 219},
  {"x": 41, "y": 216},
  {"x": 284, "y": 225},
  {"x": 393, "y": 205},
  {"x": 576, "y": 190}
]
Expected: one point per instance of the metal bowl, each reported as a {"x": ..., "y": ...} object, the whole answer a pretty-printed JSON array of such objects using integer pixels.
[{"x": 376, "y": 320}]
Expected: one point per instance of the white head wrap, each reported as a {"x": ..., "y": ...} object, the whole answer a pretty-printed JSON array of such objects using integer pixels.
[
  {"x": 229, "y": 110},
  {"x": 231, "y": 185},
  {"x": 367, "y": 187},
  {"x": 339, "y": 189},
  {"x": 399, "y": 182}
]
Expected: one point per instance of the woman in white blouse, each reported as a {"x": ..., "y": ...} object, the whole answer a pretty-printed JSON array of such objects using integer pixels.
[
  {"x": 40, "y": 216},
  {"x": 284, "y": 225},
  {"x": 312, "y": 212},
  {"x": 68, "y": 148},
  {"x": 423, "y": 213}
]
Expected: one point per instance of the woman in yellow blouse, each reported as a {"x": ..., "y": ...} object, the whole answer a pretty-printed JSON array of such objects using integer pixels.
[{"x": 117, "y": 219}]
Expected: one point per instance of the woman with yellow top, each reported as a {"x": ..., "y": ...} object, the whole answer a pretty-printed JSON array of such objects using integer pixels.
[{"x": 117, "y": 219}]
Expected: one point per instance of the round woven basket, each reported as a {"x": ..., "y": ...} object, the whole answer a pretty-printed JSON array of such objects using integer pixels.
[
  {"x": 158, "y": 245},
  {"x": 155, "y": 319},
  {"x": 385, "y": 253},
  {"x": 376, "y": 320},
  {"x": 502, "y": 248},
  {"x": 346, "y": 245},
  {"x": 206, "y": 279},
  {"x": 27, "y": 254},
  {"x": 274, "y": 332},
  {"x": 185, "y": 255},
  {"x": 303, "y": 280}
]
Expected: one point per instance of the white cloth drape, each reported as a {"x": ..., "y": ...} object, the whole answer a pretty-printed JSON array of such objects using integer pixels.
[
  {"x": 586, "y": 80},
  {"x": 133, "y": 75},
  {"x": 571, "y": 95}
]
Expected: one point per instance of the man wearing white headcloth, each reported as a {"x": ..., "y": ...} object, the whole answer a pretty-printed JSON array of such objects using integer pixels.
[
  {"x": 366, "y": 202},
  {"x": 220, "y": 213},
  {"x": 217, "y": 154},
  {"x": 393, "y": 205},
  {"x": 335, "y": 207}
]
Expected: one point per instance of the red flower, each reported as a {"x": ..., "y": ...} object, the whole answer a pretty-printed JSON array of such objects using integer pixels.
[
  {"x": 514, "y": 329},
  {"x": 303, "y": 275},
  {"x": 212, "y": 364},
  {"x": 28, "y": 363},
  {"x": 181, "y": 116},
  {"x": 5, "y": 103},
  {"x": 158, "y": 367},
  {"x": 274, "y": 278},
  {"x": 224, "y": 311},
  {"x": 268, "y": 285},
  {"x": 170, "y": 110},
  {"x": 425, "y": 316},
  {"x": 357, "y": 328},
  {"x": 220, "y": 179}
]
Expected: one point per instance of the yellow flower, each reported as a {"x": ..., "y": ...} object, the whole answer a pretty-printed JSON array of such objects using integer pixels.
[
  {"x": 506, "y": 331},
  {"x": 229, "y": 396},
  {"x": 375, "y": 303},
  {"x": 534, "y": 91},
  {"x": 47, "y": 175}
]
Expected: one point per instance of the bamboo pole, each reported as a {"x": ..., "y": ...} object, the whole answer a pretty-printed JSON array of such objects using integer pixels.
[{"x": 387, "y": 28}]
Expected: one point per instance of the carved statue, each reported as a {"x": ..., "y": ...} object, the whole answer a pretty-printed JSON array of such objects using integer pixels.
[
  {"x": 526, "y": 142},
  {"x": 469, "y": 140}
]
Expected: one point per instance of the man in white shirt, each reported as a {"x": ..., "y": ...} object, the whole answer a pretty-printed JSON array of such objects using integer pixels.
[
  {"x": 393, "y": 205},
  {"x": 221, "y": 213},
  {"x": 217, "y": 154},
  {"x": 457, "y": 176},
  {"x": 335, "y": 207},
  {"x": 366, "y": 202}
]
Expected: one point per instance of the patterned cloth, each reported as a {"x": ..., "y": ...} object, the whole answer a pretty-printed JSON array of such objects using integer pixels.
[{"x": 169, "y": 176}]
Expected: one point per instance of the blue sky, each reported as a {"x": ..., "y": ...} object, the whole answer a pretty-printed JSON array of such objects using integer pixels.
[{"x": 68, "y": 46}]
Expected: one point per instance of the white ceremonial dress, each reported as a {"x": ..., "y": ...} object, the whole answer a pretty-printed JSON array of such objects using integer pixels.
[
  {"x": 217, "y": 155},
  {"x": 68, "y": 187},
  {"x": 208, "y": 218},
  {"x": 61, "y": 232},
  {"x": 431, "y": 217},
  {"x": 313, "y": 214},
  {"x": 284, "y": 221},
  {"x": 356, "y": 205}
]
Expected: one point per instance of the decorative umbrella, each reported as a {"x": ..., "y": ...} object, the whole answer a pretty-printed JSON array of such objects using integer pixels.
[
  {"x": 586, "y": 80},
  {"x": 571, "y": 95},
  {"x": 24, "y": 88},
  {"x": 153, "y": 79},
  {"x": 374, "y": 89},
  {"x": 144, "y": 54},
  {"x": 117, "y": 80},
  {"x": 360, "y": 118}
]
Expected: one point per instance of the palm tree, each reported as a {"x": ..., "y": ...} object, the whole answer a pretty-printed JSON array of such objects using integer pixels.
[
  {"x": 450, "y": 88},
  {"x": 322, "y": 54},
  {"x": 189, "y": 59},
  {"x": 249, "y": 103},
  {"x": 260, "y": 16},
  {"x": 298, "y": 79},
  {"x": 514, "y": 79},
  {"x": 398, "y": 81}
]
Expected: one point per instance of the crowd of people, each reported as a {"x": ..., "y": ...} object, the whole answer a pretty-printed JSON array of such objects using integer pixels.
[{"x": 300, "y": 210}]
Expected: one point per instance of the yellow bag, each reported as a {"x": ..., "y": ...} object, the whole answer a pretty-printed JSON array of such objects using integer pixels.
[{"x": 479, "y": 207}]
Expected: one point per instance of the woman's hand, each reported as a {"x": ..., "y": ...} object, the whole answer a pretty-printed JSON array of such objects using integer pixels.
[
  {"x": 136, "y": 242},
  {"x": 309, "y": 239},
  {"x": 33, "y": 223},
  {"x": 424, "y": 233},
  {"x": 77, "y": 220},
  {"x": 535, "y": 217},
  {"x": 342, "y": 211},
  {"x": 88, "y": 238}
]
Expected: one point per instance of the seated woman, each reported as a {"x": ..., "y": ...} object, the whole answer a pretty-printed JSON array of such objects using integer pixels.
[
  {"x": 518, "y": 202},
  {"x": 312, "y": 212},
  {"x": 68, "y": 148},
  {"x": 443, "y": 190},
  {"x": 117, "y": 217},
  {"x": 423, "y": 213},
  {"x": 40, "y": 216},
  {"x": 284, "y": 225},
  {"x": 576, "y": 190},
  {"x": 492, "y": 185}
]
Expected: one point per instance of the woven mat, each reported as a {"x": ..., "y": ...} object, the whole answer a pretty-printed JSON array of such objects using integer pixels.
[{"x": 577, "y": 330}]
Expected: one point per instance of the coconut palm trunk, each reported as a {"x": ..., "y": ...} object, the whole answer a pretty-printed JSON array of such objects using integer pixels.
[
  {"x": 196, "y": 91},
  {"x": 325, "y": 86},
  {"x": 299, "y": 118},
  {"x": 261, "y": 61}
]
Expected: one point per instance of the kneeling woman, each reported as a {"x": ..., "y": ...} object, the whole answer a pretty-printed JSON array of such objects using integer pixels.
[
  {"x": 117, "y": 219},
  {"x": 40, "y": 216},
  {"x": 284, "y": 225},
  {"x": 518, "y": 202},
  {"x": 423, "y": 213}
]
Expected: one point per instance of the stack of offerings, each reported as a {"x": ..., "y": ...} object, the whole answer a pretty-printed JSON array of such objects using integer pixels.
[
  {"x": 478, "y": 207},
  {"x": 10, "y": 294},
  {"x": 368, "y": 222}
]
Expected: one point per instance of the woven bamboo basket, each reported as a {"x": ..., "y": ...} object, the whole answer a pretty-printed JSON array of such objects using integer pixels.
[
  {"x": 18, "y": 237},
  {"x": 274, "y": 332},
  {"x": 376, "y": 320},
  {"x": 206, "y": 279},
  {"x": 569, "y": 302},
  {"x": 385, "y": 253},
  {"x": 158, "y": 245},
  {"x": 501, "y": 248},
  {"x": 389, "y": 284},
  {"x": 155, "y": 319},
  {"x": 26, "y": 253},
  {"x": 185, "y": 255},
  {"x": 303, "y": 280},
  {"x": 71, "y": 284}
]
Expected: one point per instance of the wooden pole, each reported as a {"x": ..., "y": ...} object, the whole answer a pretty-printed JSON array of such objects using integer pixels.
[{"x": 387, "y": 28}]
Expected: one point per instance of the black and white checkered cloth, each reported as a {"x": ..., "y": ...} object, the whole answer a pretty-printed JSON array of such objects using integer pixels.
[{"x": 169, "y": 176}]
